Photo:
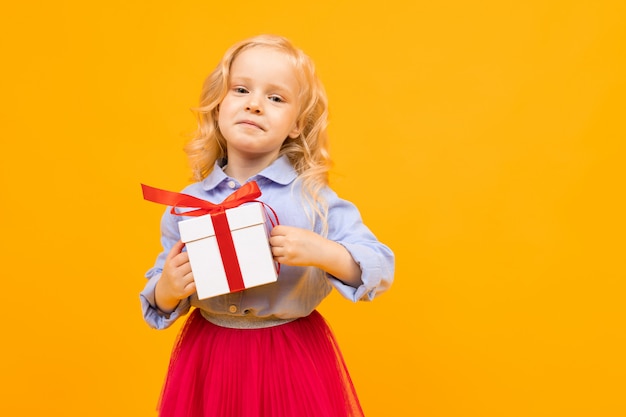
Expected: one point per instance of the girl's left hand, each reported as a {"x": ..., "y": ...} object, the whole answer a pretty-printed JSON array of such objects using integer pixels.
[
  {"x": 300, "y": 247},
  {"x": 295, "y": 246}
]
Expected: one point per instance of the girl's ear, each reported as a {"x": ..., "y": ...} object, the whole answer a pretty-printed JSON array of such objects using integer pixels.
[
  {"x": 294, "y": 133},
  {"x": 297, "y": 129}
]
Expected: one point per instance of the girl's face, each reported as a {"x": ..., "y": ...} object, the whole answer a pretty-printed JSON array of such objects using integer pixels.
[{"x": 261, "y": 107}]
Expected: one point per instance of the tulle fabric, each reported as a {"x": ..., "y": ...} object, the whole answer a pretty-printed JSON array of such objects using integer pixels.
[{"x": 291, "y": 370}]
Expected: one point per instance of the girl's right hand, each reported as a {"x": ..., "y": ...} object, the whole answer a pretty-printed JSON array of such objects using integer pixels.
[{"x": 176, "y": 282}]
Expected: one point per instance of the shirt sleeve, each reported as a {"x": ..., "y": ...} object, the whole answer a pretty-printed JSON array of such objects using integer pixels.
[
  {"x": 376, "y": 260},
  {"x": 156, "y": 318}
]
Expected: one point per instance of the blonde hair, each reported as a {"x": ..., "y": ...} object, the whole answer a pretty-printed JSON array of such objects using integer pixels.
[{"x": 308, "y": 152}]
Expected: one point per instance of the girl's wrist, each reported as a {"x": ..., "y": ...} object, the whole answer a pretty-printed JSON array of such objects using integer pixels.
[{"x": 163, "y": 303}]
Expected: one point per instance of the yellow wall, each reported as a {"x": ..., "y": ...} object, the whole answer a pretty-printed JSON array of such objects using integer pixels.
[{"x": 483, "y": 141}]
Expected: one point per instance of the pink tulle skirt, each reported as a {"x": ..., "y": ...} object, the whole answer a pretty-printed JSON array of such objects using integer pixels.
[{"x": 291, "y": 370}]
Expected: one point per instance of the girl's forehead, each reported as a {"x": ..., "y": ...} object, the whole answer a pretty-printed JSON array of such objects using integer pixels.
[
  {"x": 264, "y": 62},
  {"x": 262, "y": 53}
]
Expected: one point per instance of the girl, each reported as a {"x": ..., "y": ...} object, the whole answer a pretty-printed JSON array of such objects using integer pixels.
[{"x": 266, "y": 351}]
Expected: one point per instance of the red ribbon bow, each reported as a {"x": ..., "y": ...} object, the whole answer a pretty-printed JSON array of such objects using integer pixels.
[{"x": 249, "y": 192}]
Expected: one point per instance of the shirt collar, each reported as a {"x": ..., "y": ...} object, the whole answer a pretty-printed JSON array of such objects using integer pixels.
[{"x": 280, "y": 171}]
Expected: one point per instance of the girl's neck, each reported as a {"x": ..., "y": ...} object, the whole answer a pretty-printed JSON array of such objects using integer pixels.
[{"x": 243, "y": 169}]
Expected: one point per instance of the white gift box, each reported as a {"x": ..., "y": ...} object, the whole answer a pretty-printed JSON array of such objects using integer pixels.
[{"x": 250, "y": 238}]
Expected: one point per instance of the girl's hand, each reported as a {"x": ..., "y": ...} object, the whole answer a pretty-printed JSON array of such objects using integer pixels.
[
  {"x": 176, "y": 282},
  {"x": 295, "y": 246},
  {"x": 301, "y": 247}
]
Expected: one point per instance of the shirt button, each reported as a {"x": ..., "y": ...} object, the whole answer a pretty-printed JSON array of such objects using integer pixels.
[
  {"x": 231, "y": 184},
  {"x": 232, "y": 308}
]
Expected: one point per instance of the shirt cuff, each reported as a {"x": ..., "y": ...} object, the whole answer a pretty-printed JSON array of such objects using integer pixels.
[
  {"x": 374, "y": 275},
  {"x": 156, "y": 318}
]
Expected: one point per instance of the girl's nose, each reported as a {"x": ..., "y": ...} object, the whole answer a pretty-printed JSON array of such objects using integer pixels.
[{"x": 253, "y": 107}]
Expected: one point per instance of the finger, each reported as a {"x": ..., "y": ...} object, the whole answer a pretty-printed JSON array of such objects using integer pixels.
[
  {"x": 179, "y": 260},
  {"x": 190, "y": 288},
  {"x": 185, "y": 279},
  {"x": 176, "y": 249},
  {"x": 189, "y": 280},
  {"x": 281, "y": 260},
  {"x": 182, "y": 283},
  {"x": 279, "y": 230},
  {"x": 277, "y": 251},
  {"x": 184, "y": 268},
  {"x": 273, "y": 241}
]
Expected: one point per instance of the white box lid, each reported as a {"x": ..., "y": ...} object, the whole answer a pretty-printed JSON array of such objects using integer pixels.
[{"x": 247, "y": 215}]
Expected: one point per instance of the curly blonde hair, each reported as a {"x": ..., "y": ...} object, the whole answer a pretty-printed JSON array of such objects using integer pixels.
[{"x": 308, "y": 152}]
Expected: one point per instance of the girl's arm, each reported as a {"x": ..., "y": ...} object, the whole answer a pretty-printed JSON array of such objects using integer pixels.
[{"x": 300, "y": 247}]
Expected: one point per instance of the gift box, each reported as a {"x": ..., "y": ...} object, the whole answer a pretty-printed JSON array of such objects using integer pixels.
[
  {"x": 230, "y": 256},
  {"x": 228, "y": 242}
]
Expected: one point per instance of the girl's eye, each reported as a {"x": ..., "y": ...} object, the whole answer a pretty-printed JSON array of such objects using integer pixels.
[
  {"x": 240, "y": 90},
  {"x": 276, "y": 99}
]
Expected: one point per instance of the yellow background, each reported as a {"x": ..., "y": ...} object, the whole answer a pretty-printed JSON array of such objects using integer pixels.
[{"x": 483, "y": 141}]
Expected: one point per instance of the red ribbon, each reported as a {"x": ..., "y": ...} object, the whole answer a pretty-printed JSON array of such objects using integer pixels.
[{"x": 249, "y": 192}]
